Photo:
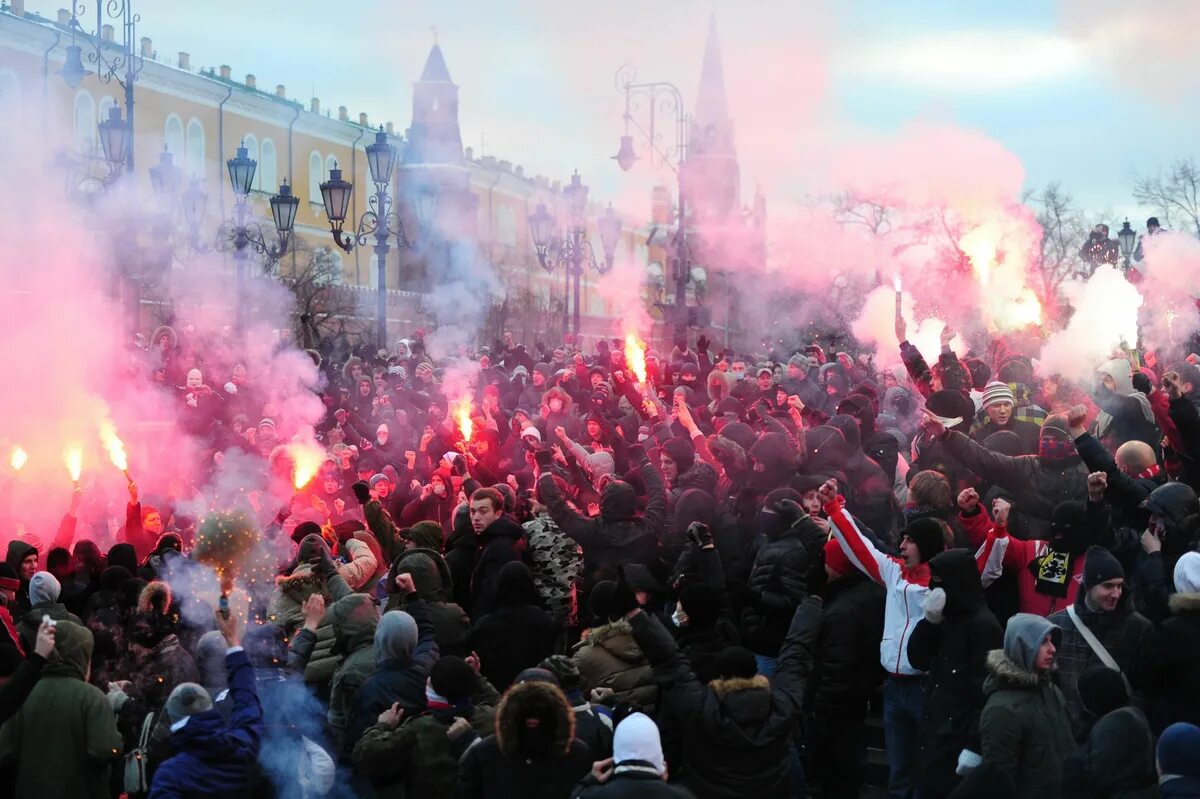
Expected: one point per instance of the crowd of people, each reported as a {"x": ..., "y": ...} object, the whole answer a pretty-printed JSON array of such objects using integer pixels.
[{"x": 700, "y": 583}]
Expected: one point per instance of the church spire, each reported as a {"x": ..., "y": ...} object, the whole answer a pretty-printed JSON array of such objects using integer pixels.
[
  {"x": 712, "y": 172},
  {"x": 434, "y": 136},
  {"x": 711, "y": 105}
]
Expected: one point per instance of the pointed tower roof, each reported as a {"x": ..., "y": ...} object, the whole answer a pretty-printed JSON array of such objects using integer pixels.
[
  {"x": 711, "y": 105},
  {"x": 435, "y": 70}
]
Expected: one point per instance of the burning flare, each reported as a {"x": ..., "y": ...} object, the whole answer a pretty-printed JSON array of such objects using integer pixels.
[
  {"x": 635, "y": 356},
  {"x": 306, "y": 462},
  {"x": 74, "y": 460},
  {"x": 462, "y": 415},
  {"x": 18, "y": 458},
  {"x": 980, "y": 248},
  {"x": 896, "y": 284},
  {"x": 114, "y": 446}
]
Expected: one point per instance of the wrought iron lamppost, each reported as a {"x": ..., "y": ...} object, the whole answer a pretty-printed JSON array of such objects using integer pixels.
[
  {"x": 120, "y": 62},
  {"x": 379, "y": 222},
  {"x": 1127, "y": 238},
  {"x": 573, "y": 251},
  {"x": 240, "y": 232},
  {"x": 660, "y": 97}
]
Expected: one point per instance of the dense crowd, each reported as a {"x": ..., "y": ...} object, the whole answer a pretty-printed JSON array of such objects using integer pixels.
[{"x": 589, "y": 584}]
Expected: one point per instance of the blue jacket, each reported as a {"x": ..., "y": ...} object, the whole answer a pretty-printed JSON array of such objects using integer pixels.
[{"x": 214, "y": 758}]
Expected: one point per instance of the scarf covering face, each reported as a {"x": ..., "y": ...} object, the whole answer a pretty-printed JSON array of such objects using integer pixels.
[{"x": 1055, "y": 444}]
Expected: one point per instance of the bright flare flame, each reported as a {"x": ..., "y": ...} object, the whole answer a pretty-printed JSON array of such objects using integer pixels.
[
  {"x": 896, "y": 284},
  {"x": 306, "y": 462},
  {"x": 74, "y": 461},
  {"x": 462, "y": 415},
  {"x": 635, "y": 356},
  {"x": 113, "y": 445},
  {"x": 980, "y": 248},
  {"x": 18, "y": 458}
]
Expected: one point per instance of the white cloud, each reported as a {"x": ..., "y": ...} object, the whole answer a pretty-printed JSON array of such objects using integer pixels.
[{"x": 964, "y": 61}]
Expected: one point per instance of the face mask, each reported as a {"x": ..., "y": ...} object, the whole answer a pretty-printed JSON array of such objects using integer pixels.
[
  {"x": 642, "y": 437},
  {"x": 679, "y": 618},
  {"x": 439, "y": 489},
  {"x": 739, "y": 375},
  {"x": 556, "y": 405}
]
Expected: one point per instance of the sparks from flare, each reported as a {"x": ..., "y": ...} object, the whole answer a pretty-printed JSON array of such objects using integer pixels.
[
  {"x": 115, "y": 447},
  {"x": 635, "y": 356},
  {"x": 18, "y": 458},
  {"x": 74, "y": 460},
  {"x": 462, "y": 415}
]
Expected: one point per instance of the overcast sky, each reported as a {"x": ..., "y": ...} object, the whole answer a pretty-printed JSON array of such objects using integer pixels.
[{"x": 1082, "y": 91}]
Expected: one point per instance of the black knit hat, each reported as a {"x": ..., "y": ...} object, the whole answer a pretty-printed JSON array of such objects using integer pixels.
[
  {"x": 453, "y": 678},
  {"x": 927, "y": 534},
  {"x": 1100, "y": 567},
  {"x": 735, "y": 662}
]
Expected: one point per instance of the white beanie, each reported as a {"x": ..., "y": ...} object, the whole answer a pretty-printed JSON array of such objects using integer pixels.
[
  {"x": 996, "y": 391},
  {"x": 532, "y": 431},
  {"x": 636, "y": 739},
  {"x": 44, "y": 587},
  {"x": 1187, "y": 573}
]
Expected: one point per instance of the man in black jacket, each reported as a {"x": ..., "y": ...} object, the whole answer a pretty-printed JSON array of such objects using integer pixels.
[
  {"x": 737, "y": 730},
  {"x": 845, "y": 674},
  {"x": 501, "y": 541}
]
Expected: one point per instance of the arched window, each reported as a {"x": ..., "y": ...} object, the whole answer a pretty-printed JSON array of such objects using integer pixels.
[
  {"x": 250, "y": 142},
  {"x": 173, "y": 138},
  {"x": 267, "y": 179},
  {"x": 85, "y": 122},
  {"x": 506, "y": 225},
  {"x": 10, "y": 92},
  {"x": 315, "y": 177},
  {"x": 195, "y": 148},
  {"x": 106, "y": 102}
]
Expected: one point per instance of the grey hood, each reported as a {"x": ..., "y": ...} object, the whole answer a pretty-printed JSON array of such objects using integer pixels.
[{"x": 1023, "y": 637}]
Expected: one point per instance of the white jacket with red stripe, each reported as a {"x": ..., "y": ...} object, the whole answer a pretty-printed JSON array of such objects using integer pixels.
[{"x": 906, "y": 588}]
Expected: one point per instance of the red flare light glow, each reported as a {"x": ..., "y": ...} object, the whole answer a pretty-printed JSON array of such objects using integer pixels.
[
  {"x": 306, "y": 462},
  {"x": 18, "y": 458},
  {"x": 74, "y": 460},
  {"x": 635, "y": 356},
  {"x": 114, "y": 446},
  {"x": 462, "y": 415}
]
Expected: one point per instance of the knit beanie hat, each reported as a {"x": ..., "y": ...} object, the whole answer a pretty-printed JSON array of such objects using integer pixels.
[
  {"x": 995, "y": 392},
  {"x": 681, "y": 451},
  {"x": 1102, "y": 690},
  {"x": 1187, "y": 573},
  {"x": 1100, "y": 567},
  {"x": 1054, "y": 443},
  {"x": 44, "y": 587},
  {"x": 1006, "y": 442},
  {"x": 636, "y": 741},
  {"x": 927, "y": 534},
  {"x": 564, "y": 670},
  {"x": 377, "y": 479},
  {"x": 1179, "y": 750},
  {"x": 836, "y": 559},
  {"x": 536, "y": 675},
  {"x": 187, "y": 699},
  {"x": 734, "y": 662},
  {"x": 601, "y": 601},
  {"x": 304, "y": 530},
  {"x": 453, "y": 678}
]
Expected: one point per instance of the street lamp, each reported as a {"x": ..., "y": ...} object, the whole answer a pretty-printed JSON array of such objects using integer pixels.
[
  {"x": 380, "y": 222},
  {"x": 165, "y": 178},
  {"x": 240, "y": 232},
  {"x": 665, "y": 98},
  {"x": 1127, "y": 238},
  {"x": 573, "y": 251},
  {"x": 114, "y": 140},
  {"x": 119, "y": 62},
  {"x": 192, "y": 205}
]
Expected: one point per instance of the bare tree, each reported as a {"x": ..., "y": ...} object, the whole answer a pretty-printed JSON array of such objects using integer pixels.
[
  {"x": 1063, "y": 231},
  {"x": 314, "y": 276},
  {"x": 1175, "y": 195}
]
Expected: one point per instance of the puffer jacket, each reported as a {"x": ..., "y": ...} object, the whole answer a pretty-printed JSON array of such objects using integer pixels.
[
  {"x": 431, "y": 577},
  {"x": 736, "y": 732},
  {"x": 778, "y": 582},
  {"x": 556, "y": 563},
  {"x": 353, "y": 619},
  {"x": 954, "y": 653},
  {"x": 1181, "y": 665},
  {"x": 618, "y": 536},
  {"x": 609, "y": 657},
  {"x": 284, "y": 611},
  {"x": 1024, "y": 729},
  {"x": 847, "y": 669}
]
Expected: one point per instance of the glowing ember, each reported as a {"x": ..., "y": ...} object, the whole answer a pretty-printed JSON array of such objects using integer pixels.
[
  {"x": 635, "y": 356},
  {"x": 114, "y": 446},
  {"x": 74, "y": 461},
  {"x": 896, "y": 283},
  {"x": 462, "y": 415},
  {"x": 306, "y": 462},
  {"x": 18, "y": 458}
]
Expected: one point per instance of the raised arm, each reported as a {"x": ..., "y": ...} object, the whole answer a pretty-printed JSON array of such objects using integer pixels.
[{"x": 860, "y": 551}]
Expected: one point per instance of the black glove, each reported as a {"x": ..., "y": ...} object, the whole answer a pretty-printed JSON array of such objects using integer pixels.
[
  {"x": 699, "y": 534},
  {"x": 315, "y": 552},
  {"x": 362, "y": 492},
  {"x": 789, "y": 510}
]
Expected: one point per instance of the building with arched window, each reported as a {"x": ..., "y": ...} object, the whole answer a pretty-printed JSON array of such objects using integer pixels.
[
  {"x": 195, "y": 163},
  {"x": 85, "y": 122},
  {"x": 173, "y": 137},
  {"x": 267, "y": 178}
]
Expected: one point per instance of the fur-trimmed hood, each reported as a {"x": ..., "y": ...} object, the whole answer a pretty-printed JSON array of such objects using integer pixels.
[
  {"x": 1184, "y": 603},
  {"x": 728, "y": 452},
  {"x": 1009, "y": 674},
  {"x": 555, "y": 726},
  {"x": 723, "y": 688},
  {"x": 155, "y": 597},
  {"x": 616, "y": 638},
  {"x": 302, "y": 583},
  {"x": 558, "y": 392},
  {"x": 719, "y": 385}
]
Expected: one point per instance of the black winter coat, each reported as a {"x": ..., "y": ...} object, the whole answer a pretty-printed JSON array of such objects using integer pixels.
[
  {"x": 736, "y": 732},
  {"x": 462, "y": 549},
  {"x": 847, "y": 667},
  {"x": 778, "y": 582},
  {"x": 501, "y": 543},
  {"x": 1181, "y": 667},
  {"x": 630, "y": 785},
  {"x": 955, "y": 655},
  {"x": 513, "y": 638}
]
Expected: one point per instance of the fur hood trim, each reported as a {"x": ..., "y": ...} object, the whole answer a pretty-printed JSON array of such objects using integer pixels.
[
  {"x": 727, "y": 451},
  {"x": 1005, "y": 669},
  {"x": 1184, "y": 603},
  {"x": 156, "y": 593},
  {"x": 723, "y": 688},
  {"x": 536, "y": 699},
  {"x": 301, "y": 583}
]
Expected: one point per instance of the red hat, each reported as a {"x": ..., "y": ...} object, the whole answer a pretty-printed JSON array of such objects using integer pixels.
[{"x": 836, "y": 559}]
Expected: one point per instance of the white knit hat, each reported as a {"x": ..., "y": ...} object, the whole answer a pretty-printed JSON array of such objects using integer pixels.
[
  {"x": 996, "y": 391},
  {"x": 1187, "y": 573}
]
